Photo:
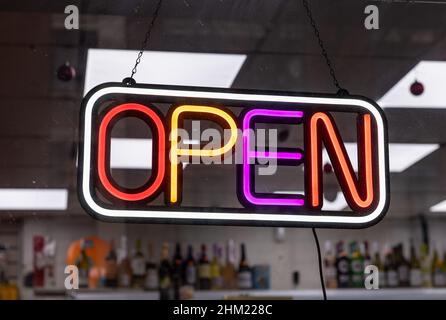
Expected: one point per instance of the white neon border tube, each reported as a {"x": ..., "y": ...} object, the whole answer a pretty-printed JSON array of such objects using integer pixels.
[{"x": 188, "y": 215}]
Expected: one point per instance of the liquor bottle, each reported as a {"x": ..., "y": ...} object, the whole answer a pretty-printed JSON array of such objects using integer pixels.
[
  {"x": 204, "y": 270},
  {"x": 364, "y": 249},
  {"x": 84, "y": 264},
  {"x": 151, "y": 281},
  {"x": 444, "y": 265},
  {"x": 3, "y": 264},
  {"x": 190, "y": 268},
  {"x": 342, "y": 266},
  {"x": 330, "y": 267},
  {"x": 229, "y": 272},
  {"x": 390, "y": 267},
  {"x": 216, "y": 277},
  {"x": 425, "y": 264},
  {"x": 49, "y": 253},
  {"x": 366, "y": 253},
  {"x": 438, "y": 279},
  {"x": 356, "y": 266},
  {"x": 125, "y": 273},
  {"x": 377, "y": 262},
  {"x": 138, "y": 264},
  {"x": 244, "y": 276},
  {"x": 38, "y": 279},
  {"x": 296, "y": 279},
  {"x": 415, "y": 268},
  {"x": 177, "y": 271},
  {"x": 403, "y": 267},
  {"x": 164, "y": 274},
  {"x": 111, "y": 267}
]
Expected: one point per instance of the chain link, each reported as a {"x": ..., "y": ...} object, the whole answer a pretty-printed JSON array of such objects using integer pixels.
[
  {"x": 146, "y": 39},
  {"x": 321, "y": 45},
  {"x": 310, "y": 17}
]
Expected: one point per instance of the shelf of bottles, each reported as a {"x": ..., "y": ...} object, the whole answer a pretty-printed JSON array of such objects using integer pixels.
[
  {"x": 423, "y": 268},
  {"x": 9, "y": 262},
  {"x": 420, "y": 275},
  {"x": 173, "y": 276}
]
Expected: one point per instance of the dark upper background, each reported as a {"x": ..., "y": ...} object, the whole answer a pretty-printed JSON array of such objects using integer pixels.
[{"x": 39, "y": 113}]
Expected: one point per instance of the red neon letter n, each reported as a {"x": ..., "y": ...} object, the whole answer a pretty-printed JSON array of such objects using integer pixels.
[{"x": 357, "y": 191}]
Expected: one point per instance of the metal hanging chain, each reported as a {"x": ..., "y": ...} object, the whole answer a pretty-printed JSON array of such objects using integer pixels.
[
  {"x": 341, "y": 91},
  {"x": 130, "y": 80}
]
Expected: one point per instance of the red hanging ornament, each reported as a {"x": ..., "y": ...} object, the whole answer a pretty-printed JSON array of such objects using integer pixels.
[
  {"x": 328, "y": 168},
  {"x": 66, "y": 72},
  {"x": 417, "y": 88}
]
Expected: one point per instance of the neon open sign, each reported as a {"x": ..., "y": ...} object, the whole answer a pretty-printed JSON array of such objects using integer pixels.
[{"x": 164, "y": 109}]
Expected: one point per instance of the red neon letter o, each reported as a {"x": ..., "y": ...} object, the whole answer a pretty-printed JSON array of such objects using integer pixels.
[{"x": 102, "y": 152}]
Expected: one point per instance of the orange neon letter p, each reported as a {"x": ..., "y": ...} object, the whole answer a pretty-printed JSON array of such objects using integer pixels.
[{"x": 175, "y": 151}]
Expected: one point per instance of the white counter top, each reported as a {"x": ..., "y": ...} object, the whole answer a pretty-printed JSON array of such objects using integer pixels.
[{"x": 313, "y": 294}]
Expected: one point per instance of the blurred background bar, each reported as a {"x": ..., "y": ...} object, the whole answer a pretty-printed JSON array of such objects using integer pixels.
[{"x": 47, "y": 69}]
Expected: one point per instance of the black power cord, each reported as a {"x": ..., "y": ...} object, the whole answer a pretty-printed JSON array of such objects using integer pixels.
[
  {"x": 319, "y": 257},
  {"x": 341, "y": 92}
]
